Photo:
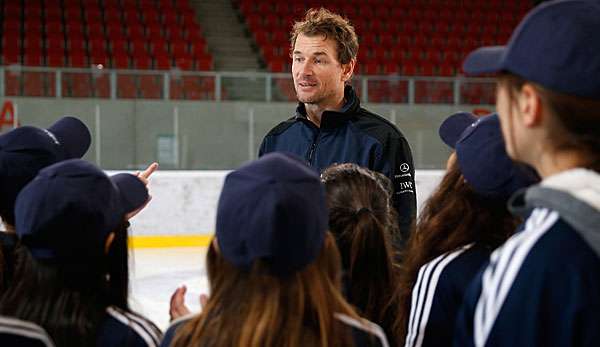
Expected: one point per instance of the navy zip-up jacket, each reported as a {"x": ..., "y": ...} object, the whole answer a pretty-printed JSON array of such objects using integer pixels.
[{"x": 352, "y": 135}]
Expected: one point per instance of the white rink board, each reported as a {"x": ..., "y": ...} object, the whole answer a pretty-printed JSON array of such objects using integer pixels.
[{"x": 185, "y": 202}]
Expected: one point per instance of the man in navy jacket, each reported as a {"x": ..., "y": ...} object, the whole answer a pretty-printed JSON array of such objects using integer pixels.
[{"x": 330, "y": 126}]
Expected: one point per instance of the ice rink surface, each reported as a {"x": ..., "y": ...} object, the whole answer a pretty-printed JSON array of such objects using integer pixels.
[{"x": 157, "y": 272}]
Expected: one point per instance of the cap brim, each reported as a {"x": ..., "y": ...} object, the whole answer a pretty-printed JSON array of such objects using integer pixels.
[
  {"x": 74, "y": 136},
  {"x": 453, "y": 127},
  {"x": 485, "y": 60},
  {"x": 132, "y": 191}
]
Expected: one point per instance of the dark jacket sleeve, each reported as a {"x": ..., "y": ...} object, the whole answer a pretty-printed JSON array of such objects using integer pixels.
[
  {"x": 171, "y": 331},
  {"x": 397, "y": 165}
]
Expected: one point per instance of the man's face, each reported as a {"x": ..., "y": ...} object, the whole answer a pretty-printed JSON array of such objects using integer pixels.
[{"x": 318, "y": 75}]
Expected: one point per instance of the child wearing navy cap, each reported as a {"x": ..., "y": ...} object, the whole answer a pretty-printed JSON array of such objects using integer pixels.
[
  {"x": 463, "y": 221},
  {"x": 273, "y": 268},
  {"x": 542, "y": 287},
  {"x": 24, "y": 151},
  {"x": 72, "y": 269}
]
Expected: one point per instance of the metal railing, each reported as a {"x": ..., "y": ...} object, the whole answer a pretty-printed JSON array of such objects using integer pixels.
[{"x": 95, "y": 82}]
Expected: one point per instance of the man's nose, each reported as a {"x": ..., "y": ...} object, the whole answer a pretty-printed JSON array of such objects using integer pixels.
[{"x": 306, "y": 69}]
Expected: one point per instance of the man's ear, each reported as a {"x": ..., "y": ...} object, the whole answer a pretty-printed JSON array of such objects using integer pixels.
[
  {"x": 348, "y": 70},
  {"x": 530, "y": 106}
]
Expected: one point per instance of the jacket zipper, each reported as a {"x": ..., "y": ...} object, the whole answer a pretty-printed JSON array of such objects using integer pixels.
[{"x": 313, "y": 147}]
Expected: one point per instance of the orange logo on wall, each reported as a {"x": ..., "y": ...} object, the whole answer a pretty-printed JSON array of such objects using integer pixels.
[{"x": 7, "y": 116}]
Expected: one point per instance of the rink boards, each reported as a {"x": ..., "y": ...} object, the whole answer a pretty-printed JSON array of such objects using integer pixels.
[{"x": 183, "y": 207}]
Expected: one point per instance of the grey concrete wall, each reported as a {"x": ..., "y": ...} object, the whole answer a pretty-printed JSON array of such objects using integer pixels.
[{"x": 211, "y": 135}]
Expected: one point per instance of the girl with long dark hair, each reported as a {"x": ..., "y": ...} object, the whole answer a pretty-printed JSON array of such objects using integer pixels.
[
  {"x": 362, "y": 220},
  {"x": 462, "y": 222},
  {"x": 541, "y": 288},
  {"x": 24, "y": 151},
  {"x": 72, "y": 269}
]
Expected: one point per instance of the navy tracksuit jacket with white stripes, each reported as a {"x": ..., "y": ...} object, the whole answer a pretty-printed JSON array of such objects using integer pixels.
[
  {"x": 438, "y": 294},
  {"x": 542, "y": 287}
]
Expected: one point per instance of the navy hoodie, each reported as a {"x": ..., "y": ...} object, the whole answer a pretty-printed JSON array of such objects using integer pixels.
[{"x": 542, "y": 287}]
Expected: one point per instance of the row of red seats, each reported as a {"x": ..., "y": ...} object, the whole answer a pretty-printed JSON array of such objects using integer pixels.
[
  {"x": 175, "y": 46},
  {"x": 48, "y": 5},
  {"x": 410, "y": 46},
  {"x": 430, "y": 93},
  {"x": 172, "y": 19},
  {"x": 82, "y": 60},
  {"x": 362, "y": 26},
  {"x": 80, "y": 33},
  {"x": 279, "y": 41},
  {"x": 383, "y": 11},
  {"x": 41, "y": 84},
  {"x": 425, "y": 92},
  {"x": 275, "y": 5},
  {"x": 397, "y": 54},
  {"x": 407, "y": 68},
  {"x": 112, "y": 33}
]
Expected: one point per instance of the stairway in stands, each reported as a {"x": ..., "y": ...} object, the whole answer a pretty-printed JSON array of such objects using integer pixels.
[{"x": 231, "y": 47}]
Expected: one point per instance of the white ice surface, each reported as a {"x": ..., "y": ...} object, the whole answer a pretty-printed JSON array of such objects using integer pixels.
[{"x": 156, "y": 273}]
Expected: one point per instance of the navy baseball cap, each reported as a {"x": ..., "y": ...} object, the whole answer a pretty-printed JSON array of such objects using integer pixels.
[
  {"x": 27, "y": 149},
  {"x": 482, "y": 157},
  {"x": 555, "y": 45},
  {"x": 70, "y": 207},
  {"x": 272, "y": 209}
]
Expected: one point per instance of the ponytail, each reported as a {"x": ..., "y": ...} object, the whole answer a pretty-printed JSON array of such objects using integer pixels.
[
  {"x": 370, "y": 269},
  {"x": 361, "y": 219}
]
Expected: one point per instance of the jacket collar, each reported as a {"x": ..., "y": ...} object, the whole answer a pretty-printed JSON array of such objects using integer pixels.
[{"x": 334, "y": 119}]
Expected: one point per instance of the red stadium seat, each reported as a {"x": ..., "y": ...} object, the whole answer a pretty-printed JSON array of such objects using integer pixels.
[
  {"x": 55, "y": 59},
  {"x": 150, "y": 86},
  {"x": 33, "y": 60},
  {"x": 142, "y": 62},
  {"x": 12, "y": 84},
  {"x": 278, "y": 65},
  {"x": 179, "y": 48},
  {"x": 184, "y": 62},
  {"x": 77, "y": 60},
  {"x": 101, "y": 85},
  {"x": 120, "y": 61},
  {"x": 80, "y": 85},
  {"x": 76, "y": 44},
  {"x": 126, "y": 86},
  {"x": 176, "y": 89},
  {"x": 100, "y": 59},
  {"x": 33, "y": 84},
  {"x": 204, "y": 63},
  {"x": 138, "y": 47},
  {"x": 162, "y": 62}
]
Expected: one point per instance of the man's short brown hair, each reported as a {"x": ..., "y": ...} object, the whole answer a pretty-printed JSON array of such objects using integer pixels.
[{"x": 330, "y": 25}]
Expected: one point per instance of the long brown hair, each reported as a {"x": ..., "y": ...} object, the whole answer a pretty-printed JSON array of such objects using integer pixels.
[
  {"x": 361, "y": 219},
  {"x": 576, "y": 124},
  {"x": 254, "y": 308},
  {"x": 454, "y": 216},
  {"x": 69, "y": 298}
]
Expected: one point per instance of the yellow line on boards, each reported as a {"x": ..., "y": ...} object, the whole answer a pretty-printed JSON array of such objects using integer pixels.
[{"x": 165, "y": 241}]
